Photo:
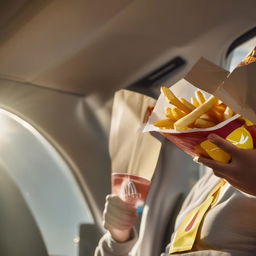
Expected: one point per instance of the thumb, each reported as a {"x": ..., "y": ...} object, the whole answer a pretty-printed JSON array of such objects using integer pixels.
[{"x": 223, "y": 144}]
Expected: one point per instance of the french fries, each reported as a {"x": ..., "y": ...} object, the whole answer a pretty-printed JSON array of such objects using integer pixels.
[
  {"x": 194, "y": 102},
  {"x": 207, "y": 117},
  {"x": 195, "y": 114},
  {"x": 190, "y": 106},
  {"x": 164, "y": 124},
  {"x": 169, "y": 114},
  {"x": 177, "y": 113},
  {"x": 200, "y": 97},
  {"x": 169, "y": 95},
  {"x": 202, "y": 123},
  {"x": 228, "y": 113},
  {"x": 200, "y": 113}
]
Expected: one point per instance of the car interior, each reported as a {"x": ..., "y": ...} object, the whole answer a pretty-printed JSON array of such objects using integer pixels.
[{"x": 61, "y": 63}]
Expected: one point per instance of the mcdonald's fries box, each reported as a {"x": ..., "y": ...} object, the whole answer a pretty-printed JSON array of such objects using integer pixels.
[
  {"x": 132, "y": 189},
  {"x": 200, "y": 104}
]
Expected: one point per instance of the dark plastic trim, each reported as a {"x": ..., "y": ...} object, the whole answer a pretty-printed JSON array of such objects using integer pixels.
[
  {"x": 156, "y": 77},
  {"x": 241, "y": 39}
]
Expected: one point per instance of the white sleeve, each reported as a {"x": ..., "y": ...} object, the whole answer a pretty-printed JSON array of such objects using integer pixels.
[{"x": 109, "y": 247}]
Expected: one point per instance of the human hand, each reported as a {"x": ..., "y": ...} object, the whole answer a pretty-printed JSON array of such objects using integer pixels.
[
  {"x": 241, "y": 171},
  {"x": 119, "y": 218}
]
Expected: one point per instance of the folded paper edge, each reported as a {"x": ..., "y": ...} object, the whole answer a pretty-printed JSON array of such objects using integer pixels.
[{"x": 206, "y": 76}]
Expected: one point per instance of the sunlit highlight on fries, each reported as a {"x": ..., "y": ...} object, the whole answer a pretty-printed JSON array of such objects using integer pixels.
[
  {"x": 164, "y": 124},
  {"x": 202, "y": 123},
  {"x": 195, "y": 114},
  {"x": 200, "y": 97},
  {"x": 171, "y": 98},
  {"x": 190, "y": 106},
  {"x": 194, "y": 102},
  {"x": 200, "y": 113},
  {"x": 228, "y": 113}
]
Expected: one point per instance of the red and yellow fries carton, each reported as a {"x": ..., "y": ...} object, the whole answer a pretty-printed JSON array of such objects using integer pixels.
[
  {"x": 130, "y": 188},
  {"x": 192, "y": 138}
]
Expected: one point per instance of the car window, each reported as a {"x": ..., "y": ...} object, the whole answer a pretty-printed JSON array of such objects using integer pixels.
[
  {"x": 46, "y": 184},
  {"x": 238, "y": 53}
]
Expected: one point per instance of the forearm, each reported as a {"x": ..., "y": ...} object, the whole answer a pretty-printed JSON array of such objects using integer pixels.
[{"x": 109, "y": 247}]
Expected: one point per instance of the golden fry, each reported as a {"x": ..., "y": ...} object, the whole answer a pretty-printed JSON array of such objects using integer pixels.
[
  {"x": 169, "y": 114},
  {"x": 194, "y": 102},
  {"x": 177, "y": 113},
  {"x": 201, "y": 123},
  {"x": 207, "y": 117},
  {"x": 187, "y": 104},
  {"x": 164, "y": 124},
  {"x": 169, "y": 95},
  {"x": 196, "y": 113},
  {"x": 228, "y": 113},
  {"x": 200, "y": 97},
  {"x": 221, "y": 107},
  {"x": 217, "y": 115},
  {"x": 200, "y": 113}
]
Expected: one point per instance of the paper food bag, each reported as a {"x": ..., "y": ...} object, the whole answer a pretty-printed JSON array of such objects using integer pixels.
[
  {"x": 234, "y": 89},
  {"x": 134, "y": 154}
]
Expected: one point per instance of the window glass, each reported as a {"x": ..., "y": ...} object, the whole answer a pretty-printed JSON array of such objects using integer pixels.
[
  {"x": 46, "y": 184},
  {"x": 237, "y": 55}
]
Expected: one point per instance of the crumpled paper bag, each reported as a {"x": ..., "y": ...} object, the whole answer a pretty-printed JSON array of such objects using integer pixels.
[{"x": 133, "y": 154}]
